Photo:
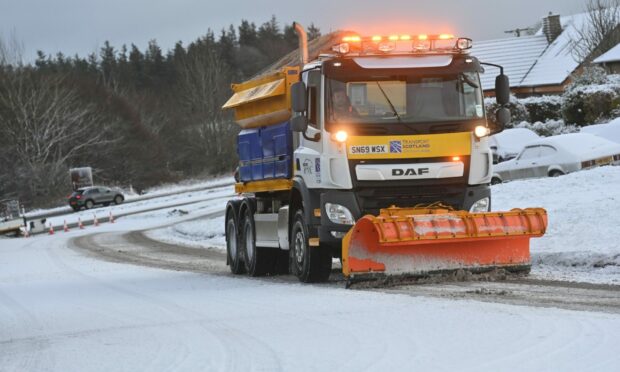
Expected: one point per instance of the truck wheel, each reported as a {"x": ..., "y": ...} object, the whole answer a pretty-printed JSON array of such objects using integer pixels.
[
  {"x": 258, "y": 261},
  {"x": 89, "y": 204},
  {"x": 232, "y": 246},
  {"x": 309, "y": 264}
]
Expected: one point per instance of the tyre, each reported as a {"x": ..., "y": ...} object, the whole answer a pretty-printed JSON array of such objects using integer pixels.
[
  {"x": 232, "y": 246},
  {"x": 258, "y": 261},
  {"x": 308, "y": 264},
  {"x": 556, "y": 173},
  {"x": 495, "y": 181},
  {"x": 118, "y": 199},
  {"x": 89, "y": 204}
]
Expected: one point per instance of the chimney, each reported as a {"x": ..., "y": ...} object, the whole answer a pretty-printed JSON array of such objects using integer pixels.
[{"x": 552, "y": 28}]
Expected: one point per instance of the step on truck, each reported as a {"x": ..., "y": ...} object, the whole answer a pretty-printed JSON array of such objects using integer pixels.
[{"x": 374, "y": 152}]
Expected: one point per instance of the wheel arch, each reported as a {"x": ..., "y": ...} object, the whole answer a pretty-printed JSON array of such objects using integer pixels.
[
  {"x": 553, "y": 168},
  {"x": 302, "y": 197}
]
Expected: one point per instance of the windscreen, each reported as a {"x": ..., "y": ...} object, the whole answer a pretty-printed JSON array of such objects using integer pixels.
[{"x": 404, "y": 99}]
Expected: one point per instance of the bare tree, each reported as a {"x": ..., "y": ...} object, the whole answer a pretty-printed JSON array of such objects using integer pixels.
[
  {"x": 11, "y": 51},
  {"x": 600, "y": 31},
  {"x": 45, "y": 124},
  {"x": 203, "y": 87}
]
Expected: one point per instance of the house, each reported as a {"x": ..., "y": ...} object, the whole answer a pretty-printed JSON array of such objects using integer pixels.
[
  {"x": 610, "y": 60},
  {"x": 536, "y": 64}
]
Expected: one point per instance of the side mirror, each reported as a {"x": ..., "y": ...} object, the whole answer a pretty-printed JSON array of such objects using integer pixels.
[
  {"x": 502, "y": 89},
  {"x": 299, "y": 97},
  {"x": 299, "y": 123},
  {"x": 502, "y": 117}
]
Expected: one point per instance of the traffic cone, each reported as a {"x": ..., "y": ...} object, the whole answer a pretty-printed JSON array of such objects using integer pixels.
[
  {"x": 65, "y": 227},
  {"x": 80, "y": 225},
  {"x": 51, "y": 229},
  {"x": 111, "y": 217},
  {"x": 96, "y": 221}
]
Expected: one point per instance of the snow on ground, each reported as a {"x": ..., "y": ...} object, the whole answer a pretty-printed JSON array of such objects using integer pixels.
[
  {"x": 202, "y": 233},
  {"x": 159, "y": 191},
  {"x": 221, "y": 193},
  {"x": 188, "y": 185},
  {"x": 582, "y": 242},
  {"x": 61, "y": 310}
]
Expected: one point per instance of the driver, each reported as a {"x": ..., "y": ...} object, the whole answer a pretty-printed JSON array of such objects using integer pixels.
[{"x": 342, "y": 108}]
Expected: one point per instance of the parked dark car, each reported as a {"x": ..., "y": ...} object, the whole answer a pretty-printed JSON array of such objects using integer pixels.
[{"x": 88, "y": 197}]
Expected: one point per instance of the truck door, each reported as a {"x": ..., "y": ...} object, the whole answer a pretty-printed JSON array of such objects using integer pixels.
[{"x": 308, "y": 155}]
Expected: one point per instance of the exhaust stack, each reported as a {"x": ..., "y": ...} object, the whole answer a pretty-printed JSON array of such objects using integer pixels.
[{"x": 303, "y": 42}]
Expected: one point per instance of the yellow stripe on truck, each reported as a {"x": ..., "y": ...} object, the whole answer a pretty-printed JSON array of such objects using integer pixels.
[{"x": 414, "y": 146}]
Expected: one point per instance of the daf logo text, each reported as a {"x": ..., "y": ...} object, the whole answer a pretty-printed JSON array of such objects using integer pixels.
[{"x": 409, "y": 171}]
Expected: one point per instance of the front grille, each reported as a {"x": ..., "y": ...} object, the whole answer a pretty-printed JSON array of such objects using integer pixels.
[{"x": 372, "y": 199}]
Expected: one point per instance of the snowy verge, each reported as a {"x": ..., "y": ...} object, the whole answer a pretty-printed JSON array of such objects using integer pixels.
[
  {"x": 201, "y": 233},
  {"x": 582, "y": 242}
]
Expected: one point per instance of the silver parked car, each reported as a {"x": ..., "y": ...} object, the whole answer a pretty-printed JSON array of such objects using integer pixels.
[
  {"x": 88, "y": 197},
  {"x": 508, "y": 144},
  {"x": 558, "y": 155}
]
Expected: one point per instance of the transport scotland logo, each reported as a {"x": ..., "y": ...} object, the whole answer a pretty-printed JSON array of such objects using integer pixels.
[{"x": 396, "y": 147}]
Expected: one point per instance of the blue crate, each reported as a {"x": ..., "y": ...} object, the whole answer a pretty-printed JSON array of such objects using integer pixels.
[{"x": 265, "y": 153}]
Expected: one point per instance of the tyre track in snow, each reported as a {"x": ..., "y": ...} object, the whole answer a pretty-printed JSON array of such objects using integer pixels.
[
  {"x": 37, "y": 346},
  {"x": 136, "y": 248},
  {"x": 228, "y": 337}
]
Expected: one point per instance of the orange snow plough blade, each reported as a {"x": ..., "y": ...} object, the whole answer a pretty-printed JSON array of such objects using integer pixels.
[{"x": 422, "y": 241}]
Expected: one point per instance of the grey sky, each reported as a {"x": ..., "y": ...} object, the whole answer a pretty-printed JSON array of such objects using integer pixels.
[{"x": 81, "y": 26}]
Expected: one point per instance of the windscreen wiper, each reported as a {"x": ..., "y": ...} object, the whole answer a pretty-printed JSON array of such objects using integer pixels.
[
  {"x": 469, "y": 82},
  {"x": 389, "y": 102}
]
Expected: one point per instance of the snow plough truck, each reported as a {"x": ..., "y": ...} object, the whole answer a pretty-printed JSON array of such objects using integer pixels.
[{"x": 375, "y": 152}]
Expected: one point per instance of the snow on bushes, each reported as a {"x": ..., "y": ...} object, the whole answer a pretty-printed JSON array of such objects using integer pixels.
[
  {"x": 549, "y": 127},
  {"x": 518, "y": 112},
  {"x": 592, "y": 97},
  {"x": 543, "y": 108}
]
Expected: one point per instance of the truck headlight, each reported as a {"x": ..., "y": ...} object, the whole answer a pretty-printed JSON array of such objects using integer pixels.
[
  {"x": 481, "y": 205},
  {"x": 339, "y": 214},
  {"x": 481, "y": 131}
]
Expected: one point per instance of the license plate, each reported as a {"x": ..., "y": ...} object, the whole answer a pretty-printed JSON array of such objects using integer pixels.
[{"x": 605, "y": 160}]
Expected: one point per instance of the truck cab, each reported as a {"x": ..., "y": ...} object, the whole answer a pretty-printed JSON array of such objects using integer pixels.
[{"x": 381, "y": 125}]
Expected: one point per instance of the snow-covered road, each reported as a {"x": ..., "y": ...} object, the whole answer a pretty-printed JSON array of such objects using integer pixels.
[{"x": 64, "y": 310}]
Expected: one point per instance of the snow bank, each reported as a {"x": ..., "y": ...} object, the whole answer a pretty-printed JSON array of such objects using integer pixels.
[
  {"x": 582, "y": 242},
  {"x": 203, "y": 233}
]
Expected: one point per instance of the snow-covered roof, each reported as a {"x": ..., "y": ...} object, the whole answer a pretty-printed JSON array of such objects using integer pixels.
[
  {"x": 517, "y": 55},
  {"x": 530, "y": 60},
  {"x": 612, "y": 55}
]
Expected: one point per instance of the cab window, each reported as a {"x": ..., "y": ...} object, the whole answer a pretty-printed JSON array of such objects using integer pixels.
[{"x": 313, "y": 83}]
